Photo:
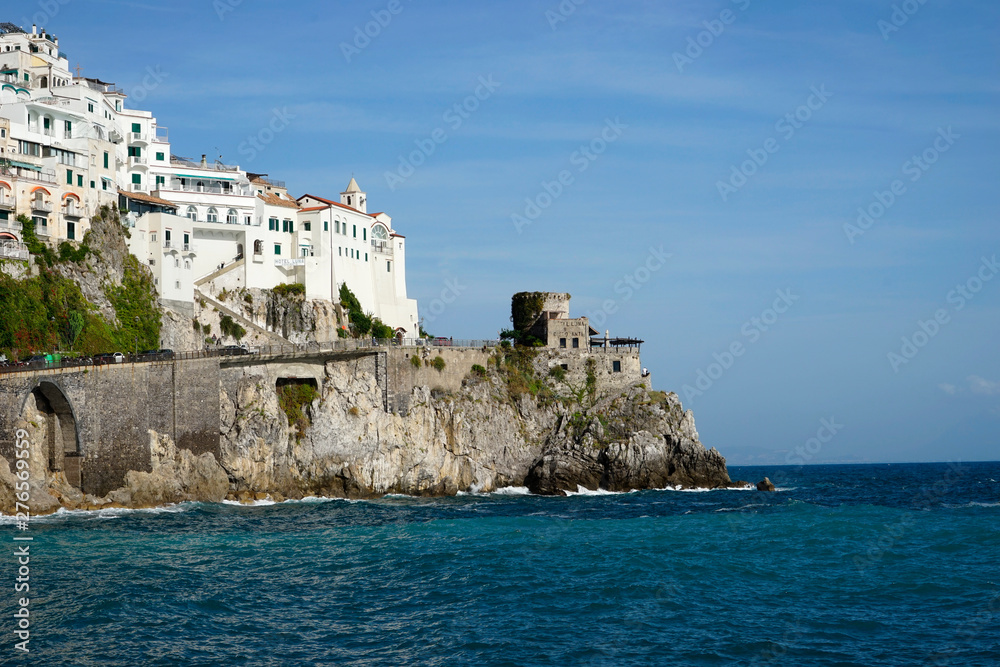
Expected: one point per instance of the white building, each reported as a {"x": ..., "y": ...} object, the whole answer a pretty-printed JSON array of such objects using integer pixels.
[{"x": 68, "y": 146}]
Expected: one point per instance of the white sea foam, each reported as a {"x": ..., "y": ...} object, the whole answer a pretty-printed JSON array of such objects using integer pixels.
[
  {"x": 584, "y": 491},
  {"x": 107, "y": 513},
  {"x": 512, "y": 491},
  {"x": 252, "y": 503}
]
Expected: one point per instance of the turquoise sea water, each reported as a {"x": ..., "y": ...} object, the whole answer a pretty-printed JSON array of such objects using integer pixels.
[{"x": 845, "y": 565}]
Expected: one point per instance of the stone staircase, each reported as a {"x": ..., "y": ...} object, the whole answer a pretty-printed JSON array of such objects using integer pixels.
[{"x": 272, "y": 337}]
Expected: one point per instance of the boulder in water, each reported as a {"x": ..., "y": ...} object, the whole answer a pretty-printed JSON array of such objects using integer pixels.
[{"x": 765, "y": 485}]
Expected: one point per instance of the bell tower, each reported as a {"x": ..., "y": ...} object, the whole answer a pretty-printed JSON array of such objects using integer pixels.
[{"x": 354, "y": 197}]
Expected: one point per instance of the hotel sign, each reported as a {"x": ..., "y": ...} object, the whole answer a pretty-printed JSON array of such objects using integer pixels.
[{"x": 289, "y": 262}]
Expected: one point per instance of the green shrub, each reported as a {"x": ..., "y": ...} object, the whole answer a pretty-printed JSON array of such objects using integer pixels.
[
  {"x": 295, "y": 398},
  {"x": 293, "y": 289},
  {"x": 557, "y": 372},
  {"x": 438, "y": 363},
  {"x": 381, "y": 330},
  {"x": 231, "y": 328},
  {"x": 248, "y": 297},
  {"x": 415, "y": 362},
  {"x": 478, "y": 370},
  {"x": 197, "y": 325}
]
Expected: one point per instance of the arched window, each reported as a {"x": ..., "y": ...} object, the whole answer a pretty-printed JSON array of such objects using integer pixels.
[
  {"x": 258, "y": 247},
  {"x": 380, "y": 239},
  {"x": 231, "y": 217},
  {"x": 213, "y": 215},
  {"x": 192, "y": 213}
]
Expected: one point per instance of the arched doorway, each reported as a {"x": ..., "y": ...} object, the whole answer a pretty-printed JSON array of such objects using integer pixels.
[{"x": 62, "y": 445}]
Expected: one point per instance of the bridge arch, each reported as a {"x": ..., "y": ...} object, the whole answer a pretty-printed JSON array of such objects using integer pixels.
[{"x": 62, "y": 445}]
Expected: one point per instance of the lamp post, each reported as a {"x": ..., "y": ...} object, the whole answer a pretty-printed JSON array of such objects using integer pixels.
[{"x": 136, "y": 336}]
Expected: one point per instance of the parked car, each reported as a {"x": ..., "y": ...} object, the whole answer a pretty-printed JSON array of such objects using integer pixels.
[
  {"x": 441, "y": 341},
  {"x": 157, "y": 355},
  {"x": 109, "y": 358},
  {"x": 233, "y": 350}
]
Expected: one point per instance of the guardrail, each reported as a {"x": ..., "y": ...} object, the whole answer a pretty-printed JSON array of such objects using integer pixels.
[{"x": 248, "y": 352}]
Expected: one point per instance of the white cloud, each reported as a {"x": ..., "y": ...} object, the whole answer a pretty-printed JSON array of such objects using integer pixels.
[
  {"x": 947, "y": 388},
  {"x": 983, "y": 386}
]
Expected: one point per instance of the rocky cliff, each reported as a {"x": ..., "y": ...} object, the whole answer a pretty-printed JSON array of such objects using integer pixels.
[{"x": 341, "y": 442}]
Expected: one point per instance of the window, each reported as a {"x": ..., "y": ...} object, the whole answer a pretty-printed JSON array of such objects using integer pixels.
[
  {"x": 326, "y": 225},
  {"x": 69, "y": 177},
  {"x": 258, "y": 247},
  {"x": 562, "y": 342},
  {"x": 45, "y": 123},
  {"x": 152, "y": 237},
  {"x": 134, "y": 151},
  {"x": 213, "y": 215},
  {"x": 337, "y": 226},
  {"x": 307, "y": 226},
  {"x": 354, "y": 232},
  {"x": 137, "y": 128},
  {"x": 364, "y": 234},
  {"x": 277, "y": 248},
  {"x": 79, "y": 180},
  {"x": 192, "y": 213},
  {"x": 90, "y": 107},
  {"x": 159, "y": 157},
  {"x": 272, "y": 225},
  {"x": 576, "y": 342},
  {"x": 136, "y": 179},
  {"x": 340, "y": 251},
  {"x": 93, "y": 185},
  {"x": 232, "y": 218},
  {"x": 105, "y": 159},
  {"x": 187, "y": 264},
  {"x": 160, "y": 181},
  {"x": 616, "y": 366},
  {"x": 177, "y": 263},
  {"x": 71, "y": 230},
  {"x": 69, "y": 128},
  {"x": 177, "y": 284},
  {"x": 366, "y": 257},
  {"x": 388, "y": 266}
]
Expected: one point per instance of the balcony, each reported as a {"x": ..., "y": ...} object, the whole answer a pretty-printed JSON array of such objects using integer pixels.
[
  {"x": 188, "y": 247},
  {"x": 138, "y": 138},
  {"x": 162, "y": 135},
  {"x": 382, "y": 247},
  {"x": 72, "y": 212},
  {"x": 6, "y": 202},
  {"x": 169, "y": 245},
  {"x": 134, "y": 160},
  {"x": 13, "y": 250},
  {"x": 41, "y": 206}
]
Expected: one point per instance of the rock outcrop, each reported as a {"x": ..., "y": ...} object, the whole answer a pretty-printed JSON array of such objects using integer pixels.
[{"x": 765, "y": 485}]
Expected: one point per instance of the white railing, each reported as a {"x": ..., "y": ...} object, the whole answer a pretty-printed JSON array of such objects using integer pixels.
[
  {"x": 139, "y": 136},
  {"x": 382, "y": 247},
  {"x": 13, "y": 250},
  {"x": 136, "y": 159},
  {"x": 37, "y": 205},
  {"x": 6, "y": 201},
  {"x": 189, "y": 247}
]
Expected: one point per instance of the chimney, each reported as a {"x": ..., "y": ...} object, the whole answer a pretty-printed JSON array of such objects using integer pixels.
[
  {"x": 204, "y": 162},
  {"x": 34, "y": 29}
]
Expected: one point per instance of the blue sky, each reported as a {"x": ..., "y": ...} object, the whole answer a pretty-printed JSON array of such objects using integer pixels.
[{"x": 829, "y": 105}]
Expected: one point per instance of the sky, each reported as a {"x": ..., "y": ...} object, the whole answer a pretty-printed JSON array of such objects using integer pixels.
[{"x": 793, "y": 204}]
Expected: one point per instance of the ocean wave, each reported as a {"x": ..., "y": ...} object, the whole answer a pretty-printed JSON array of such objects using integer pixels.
[
  {"x": 584, "y": 491},
  {"x": 106, "y": 513}
]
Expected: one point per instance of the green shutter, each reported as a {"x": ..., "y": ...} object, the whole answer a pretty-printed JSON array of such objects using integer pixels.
[
  {"x": 79, "y": 180},
  {"x": 136, "y": 179},
  {"x": 159, "y": 157},
  {"x": 105, "y": 160},
  {"x": 69, "y": 177},
  {"x": 277, "y": 248},
  {"x": 137, "y": 128}
]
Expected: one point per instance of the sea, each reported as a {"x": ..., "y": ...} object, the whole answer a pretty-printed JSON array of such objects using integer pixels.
[{"x": 842, "y": 565}]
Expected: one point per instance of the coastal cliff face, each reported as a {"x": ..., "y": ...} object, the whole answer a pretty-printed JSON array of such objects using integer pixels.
[{"x": 341, "y": 442}]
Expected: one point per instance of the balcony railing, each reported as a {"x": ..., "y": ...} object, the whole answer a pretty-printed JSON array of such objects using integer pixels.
[
  {"x": 382, "y": 247},
  {"x": 188, "y": 247},
  {"x": 162, "y": 135},
  {"x": 72, "y": 212},
  {"x": 136, "y": 159},
  {"x": 139, "y": 137},
  {"x": 23, "y": 174},
  {"x": 38, "y": 205},
  {"x": 169, "y": 244},
  {"x": 13, "y": 250},
  {"x": 174, "y": 186},
  {"x": 7, "y": 202}
]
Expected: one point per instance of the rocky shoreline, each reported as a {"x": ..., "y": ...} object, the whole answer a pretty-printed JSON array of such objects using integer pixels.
[{"x": 345, "y": 445}]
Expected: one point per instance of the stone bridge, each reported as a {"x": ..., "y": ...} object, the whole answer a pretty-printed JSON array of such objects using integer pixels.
[{"x": 99, "y": 417}]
